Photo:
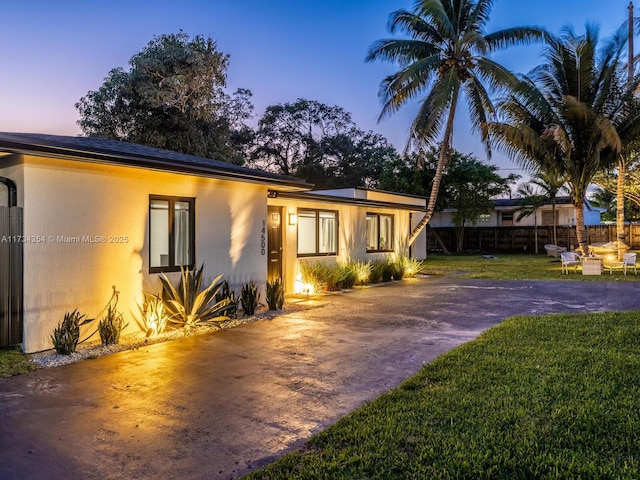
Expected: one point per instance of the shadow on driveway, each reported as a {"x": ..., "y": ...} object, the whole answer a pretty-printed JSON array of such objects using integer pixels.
[{"x": 218, "y": 405}]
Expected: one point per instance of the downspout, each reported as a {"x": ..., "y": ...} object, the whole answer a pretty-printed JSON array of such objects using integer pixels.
[{"x": 12, "y": 190}]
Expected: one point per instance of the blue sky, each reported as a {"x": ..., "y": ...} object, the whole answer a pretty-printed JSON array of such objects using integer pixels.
[{"x": 53, "y": 52}]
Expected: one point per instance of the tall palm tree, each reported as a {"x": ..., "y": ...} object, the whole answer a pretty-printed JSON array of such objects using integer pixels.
[
  {"x": 551, "y": 181},
  {"x": 565, "y": 113},
  {"x": 532, "y": 200},
  {"x": 445, "y": 56}
]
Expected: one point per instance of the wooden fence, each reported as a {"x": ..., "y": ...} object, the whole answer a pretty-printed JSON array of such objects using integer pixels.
[
  {"x": 522, "y": 239},
  {"x": 11, "y": 254}
]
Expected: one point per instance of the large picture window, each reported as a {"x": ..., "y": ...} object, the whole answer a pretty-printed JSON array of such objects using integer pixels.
[
  {"x": 317, "y": 232},
  {"x": 171, "y": 233},
  {"x": 379, "y": 233}
]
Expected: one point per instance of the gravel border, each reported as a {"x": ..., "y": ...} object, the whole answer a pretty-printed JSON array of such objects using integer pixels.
[{"x": 93, "y": 349}]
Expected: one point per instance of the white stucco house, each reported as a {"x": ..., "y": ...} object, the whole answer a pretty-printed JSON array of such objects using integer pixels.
[
  {"x": 81, "y": 215},
  {"x": 505, "y": 214}
]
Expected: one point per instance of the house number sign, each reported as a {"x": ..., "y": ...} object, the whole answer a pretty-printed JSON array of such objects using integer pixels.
[{"x": 263, "y": 238}]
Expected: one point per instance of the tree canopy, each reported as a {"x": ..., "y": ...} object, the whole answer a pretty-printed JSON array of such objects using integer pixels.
[
  {"x": 319, "y": 143},
  {"x": 172, "y": 97}
]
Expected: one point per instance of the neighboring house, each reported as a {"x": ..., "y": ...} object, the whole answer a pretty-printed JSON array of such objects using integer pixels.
[
  {"x": 84, "y": 214},
  {"x": 505, "y": 214}
]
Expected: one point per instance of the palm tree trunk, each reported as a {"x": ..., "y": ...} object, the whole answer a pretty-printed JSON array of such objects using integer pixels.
[
  {"x": 581, "y": 229},
  {"x": 535, "y": 231},
  {"x": 553, "y": 214},
  {"x": 443, "y": 161},
  {"x": 620, "y": 235}
]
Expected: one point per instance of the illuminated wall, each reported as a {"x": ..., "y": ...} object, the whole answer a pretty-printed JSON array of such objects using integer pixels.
[{"x": 88, "y": 225}]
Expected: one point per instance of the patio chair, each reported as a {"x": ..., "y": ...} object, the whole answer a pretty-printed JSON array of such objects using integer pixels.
[
  {"x": 568, "y": 259},
  {"x": 554, "y": 250},
  {"x": 628, "y": 260}
]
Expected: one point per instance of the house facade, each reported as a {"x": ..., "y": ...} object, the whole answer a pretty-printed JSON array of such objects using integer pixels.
[
  {"x": 337, "y": 226},
  {"x": 95, "y": 214},
  {"x": 505, "y": 214}
]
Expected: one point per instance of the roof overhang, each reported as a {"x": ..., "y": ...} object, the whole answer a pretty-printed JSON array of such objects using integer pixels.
[
  {"x": 25, "y": 146},
  {"x": 309, "y": 197}
]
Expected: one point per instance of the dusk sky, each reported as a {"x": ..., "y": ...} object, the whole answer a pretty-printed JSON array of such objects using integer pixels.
[{"x": 53, "y": 52}]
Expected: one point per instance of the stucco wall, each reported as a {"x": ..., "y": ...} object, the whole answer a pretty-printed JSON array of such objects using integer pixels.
[{"x": 64, "y": 200}]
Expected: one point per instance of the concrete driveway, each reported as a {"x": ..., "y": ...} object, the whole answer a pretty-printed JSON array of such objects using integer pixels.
[{"x": 217, "y": 406}]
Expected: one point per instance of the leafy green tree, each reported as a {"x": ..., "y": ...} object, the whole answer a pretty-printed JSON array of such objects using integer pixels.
[
  {"x": 319, "y": 143},
  {"x": 470, "y": 185},
  {"x": 446, "y": 56},
  {"x": 172, "y": 97},
  {"x": 566, "y": 113}
]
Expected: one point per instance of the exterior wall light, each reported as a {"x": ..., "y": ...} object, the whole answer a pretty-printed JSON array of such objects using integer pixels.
[{"x": 293, "y": 219}]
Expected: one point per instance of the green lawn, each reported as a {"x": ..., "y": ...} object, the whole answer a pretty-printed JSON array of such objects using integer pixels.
[
  {"x": 514, "y": 267},
  {"x": 14, "y": 362},
  {"x": 534, "y": 397}
]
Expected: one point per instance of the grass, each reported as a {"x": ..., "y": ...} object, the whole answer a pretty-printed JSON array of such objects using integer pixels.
[
  {"x": 513, "y": 267},
  {"x": 534, "y": 397},
  {"x": 14, "y": 362}
]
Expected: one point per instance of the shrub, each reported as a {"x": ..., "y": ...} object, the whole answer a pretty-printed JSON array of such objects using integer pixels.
[
  {"x": 189, "y": 304},
  {"x": 154, "y": 317},
  {"x": 314, "y": 274},
  {"x": 112, "y": 324},
  {"x": 345, "y": 277},
  {"x": 329, "y": 277},
  {"x": 225, "y": 293},
  {"x": 67, "y": 334},
  {"x": 110, "y": 327},
  {"x": 361, "y": 270},
  {"x": 275, "y": 294},
  {"x": 411, "y": 266},
  {"x": 399, "y": 267},
  {"x": 377, "y": 268},
  {"x": 388, "y": 270},
  {"x": 249, "y": 297}
]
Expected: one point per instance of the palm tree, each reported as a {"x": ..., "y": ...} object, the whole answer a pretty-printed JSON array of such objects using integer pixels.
[
  {"x": 446, "y": 57},
  {"x": 531, "y": 203},
  {"x": 565, "y": 113},
  {"x": 551, "y": 182}
]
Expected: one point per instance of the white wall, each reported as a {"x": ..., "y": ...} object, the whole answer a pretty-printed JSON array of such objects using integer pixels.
[{"x": 67, "y": 199}]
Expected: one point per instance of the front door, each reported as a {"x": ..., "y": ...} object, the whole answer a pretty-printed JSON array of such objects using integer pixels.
[{"x": 274, "y": 243}]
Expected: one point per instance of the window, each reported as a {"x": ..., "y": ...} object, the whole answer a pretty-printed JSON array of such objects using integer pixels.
[
  {"x": 171, "y": 233},
  {"x": 317, "y": 232},
  {"x": 379, "y": 233},
  {"x": 547, "y": 217},
  {"x": 507, "y": 219},
  {"x": 484, "y": 217}
]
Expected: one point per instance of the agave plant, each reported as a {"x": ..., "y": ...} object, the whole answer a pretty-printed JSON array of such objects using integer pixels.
[
  {"x": 153, "y": 317},
  {"x": 249, "y": 297},
  {"x": 275, "y": 294},
  {"x": 66, "y": 335},
  {"x": 190, "y": 305}
]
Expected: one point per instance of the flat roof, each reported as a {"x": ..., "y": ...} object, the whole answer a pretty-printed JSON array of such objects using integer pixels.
[{"x": 315, "y": 197}]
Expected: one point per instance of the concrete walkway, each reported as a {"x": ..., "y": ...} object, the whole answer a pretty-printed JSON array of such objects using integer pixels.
[{"x": 217, "y": 406}]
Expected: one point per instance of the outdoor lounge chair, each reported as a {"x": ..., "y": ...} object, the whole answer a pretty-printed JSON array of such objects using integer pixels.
[
  {"x": 554, "y": 250},
  {"x": 628, "y": 260},
  {"x": 568, "y": 259}
]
